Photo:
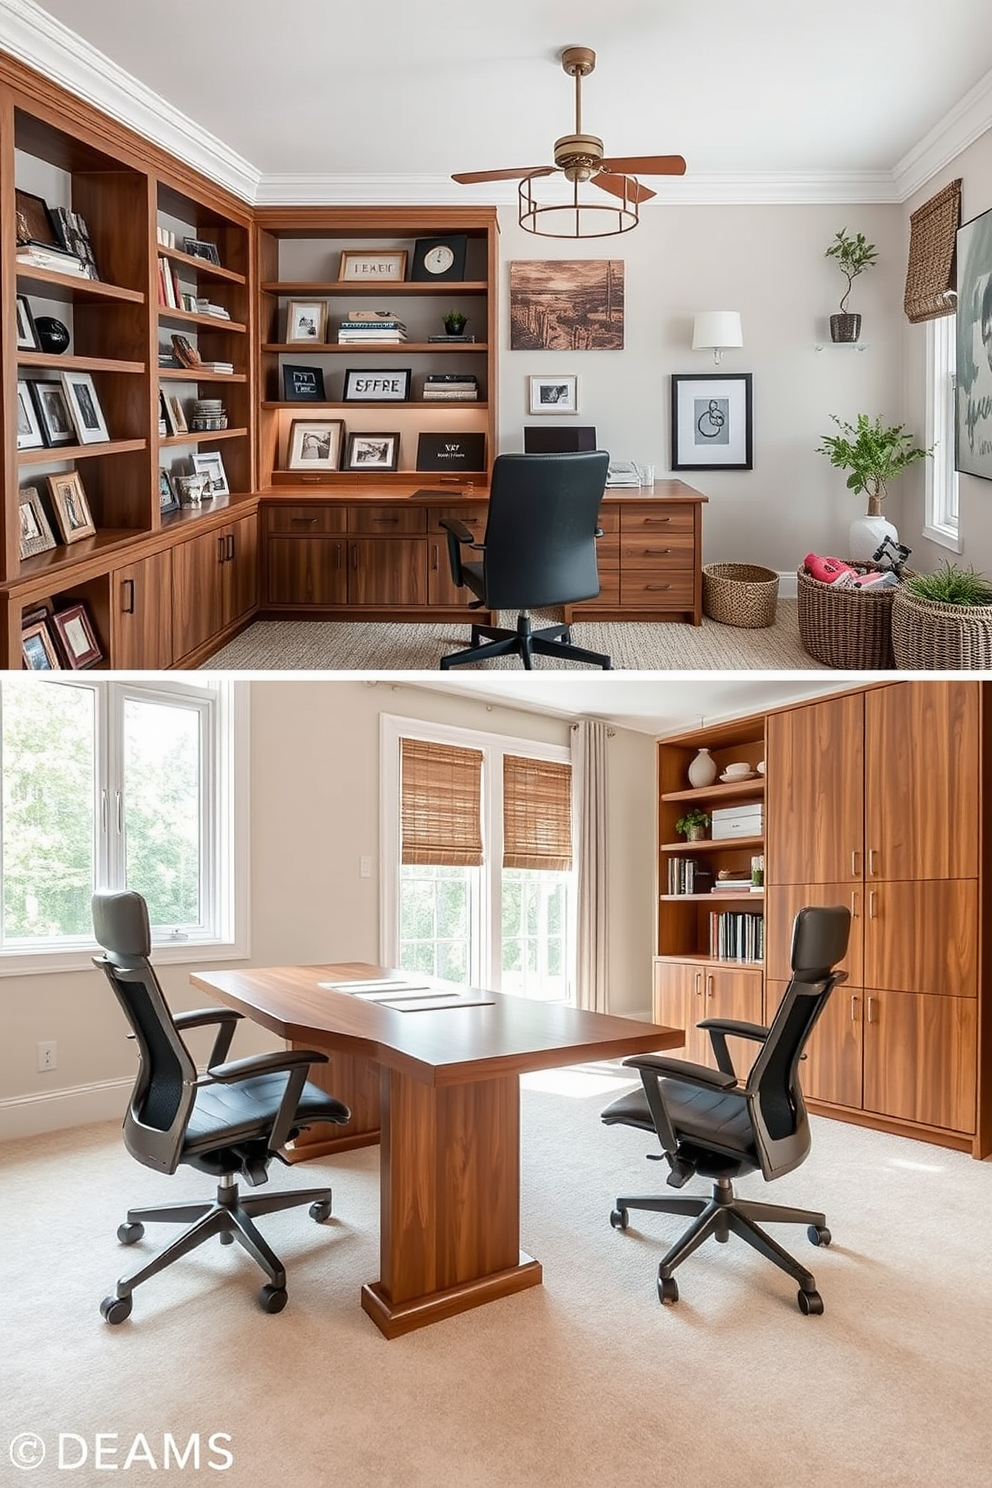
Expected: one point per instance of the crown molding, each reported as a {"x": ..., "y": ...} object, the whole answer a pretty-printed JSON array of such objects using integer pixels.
[
  {"x": 35, "y": 38},
  {"x": 958, "y": 129}
]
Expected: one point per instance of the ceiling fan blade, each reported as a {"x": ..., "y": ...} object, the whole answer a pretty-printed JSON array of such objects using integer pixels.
[
  {"x": 468, "y": 178},
  {"x": 621, "y": 186},
  {"x": 646, "y": 165}
]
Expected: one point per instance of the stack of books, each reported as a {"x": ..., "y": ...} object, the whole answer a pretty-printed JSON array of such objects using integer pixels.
[
  {"x": 732, "y": 885},
  {"x": 207, "y": 307},
  {"x": 37, "y": 256},
  {"x": 446, "y": 337},
  {"x": 170, "y": 291},
  {"x": 372, "y": 326},
  {"x": 454, "y": 387}
]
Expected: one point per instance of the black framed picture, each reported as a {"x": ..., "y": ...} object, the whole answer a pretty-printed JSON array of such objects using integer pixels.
[
  {"x": 437, "y": 259},
  {"x": 53, "y": 413},
  {"x": 973, "y": 413},
  {"x": 372, "y": 452},
  {"x": 27, "y": 336},
  {"x": 377, "y": 385},
  {"x": 34, "y": 221},
  {"x": 711, "y": 421},
  {"x": 451, "y": 452},
  {"x": 197, "y": 248},
  {"x": 168, "y": 499},
  {"x": 302, "y": 384}
]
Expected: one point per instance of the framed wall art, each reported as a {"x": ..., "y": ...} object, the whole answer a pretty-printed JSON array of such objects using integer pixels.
[
  {"x": 72, "y": 512},
  {"x": 302, "y": 384},
  {"x": 554, "y": 394},
  {"x": 377, "y": 385},
  {"x": 29, "y": 435},
  {"x": 711, "y": 421},
  {"x": 315, "y": 444},
  {"x": 211, "y": 465},
  {"x": 53, "y": 413},
  {"x": 306, "y": 320},
  {"x": 373, "y": 265},
  {"x": 84, "y": 405},
  {"x": 973, "y": 413},
  {"x": 373, "y": 452},
  {"x": 566, "y": 304}
]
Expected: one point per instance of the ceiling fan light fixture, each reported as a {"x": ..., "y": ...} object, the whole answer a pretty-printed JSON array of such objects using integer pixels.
[{"x": 577, "y": 218}]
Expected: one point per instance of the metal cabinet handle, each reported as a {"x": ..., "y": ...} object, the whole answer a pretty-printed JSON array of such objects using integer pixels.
[
  {"x": 385, "y": 521},
  {"x": 855, "y": 870},
  {"x": 434, "y": 562},
  {"x": 871, "y": 906},
  {"x": 709, "y": 985},
  {"x": 854, "y": 1008},
  {"x": 653, "y": 521},
  {"x": 871, "y": 1004},
  {"x": 354, "y": 555},
  {"x": 230, "y": 547},
  {"x": 337, "y": 555},
  {"x": 657, "y": 586},
  {"x": 656, "y": 553},
  {"x": 854, "y": 905},
  {"x": 699, "y": 984},
  {"x": 872, "y": 855},
  {"x": 303, "y": 521},
  {"x": 127, "y": 597},
  {"x": 309, "y": 480},
  {"x": 221, "y": 550}
]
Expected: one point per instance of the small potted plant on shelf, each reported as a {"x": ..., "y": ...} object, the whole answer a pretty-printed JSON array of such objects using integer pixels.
[
  {"x": 874, "y": 453},
  {"x": 693, "y": 826},
  {"x": 454, "y": 322},
  {"x": 943, "y": 621},
  {"x": 852, "y": 256}
]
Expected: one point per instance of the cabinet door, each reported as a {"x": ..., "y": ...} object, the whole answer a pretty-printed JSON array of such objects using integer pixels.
[
  {"x": 783, "y": 902},
  {"x": 392, "y": 571},
  {"x": 920, "y": 1058},
  {"x": 923, "y": 937},
  {"x": 831, "y": 1070},
  {"x": 729, "y": 992},
  {"x": 922, "y": 769},
  {"x": 678, "y": 996},
  {"x": 815, "y": 799},
  {"x": 306, "y": 571},
  {"x": 141, "y": 611},
  {"x": 240, "y": 573},
  {"x": 441, "y": 588},
  {"x": 197, "y": 584}
]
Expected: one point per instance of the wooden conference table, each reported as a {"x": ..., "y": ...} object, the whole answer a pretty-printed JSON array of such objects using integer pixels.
[{"x": 434, "y": 1077}]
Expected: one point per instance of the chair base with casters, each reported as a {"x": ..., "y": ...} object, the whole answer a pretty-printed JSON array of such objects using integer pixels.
[
  {"x": 525, "y": 642},
  {"x": 230, "y": 1217}
]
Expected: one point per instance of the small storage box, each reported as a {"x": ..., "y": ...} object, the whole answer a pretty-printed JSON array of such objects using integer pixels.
[{"x": 737, "y": 821}]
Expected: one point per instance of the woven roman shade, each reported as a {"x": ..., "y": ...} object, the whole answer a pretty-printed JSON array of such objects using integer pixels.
[
  {"x": 932, "y": 269},
  {"x": 440, "y": 810},
  {"x": 537, "y": 813}
]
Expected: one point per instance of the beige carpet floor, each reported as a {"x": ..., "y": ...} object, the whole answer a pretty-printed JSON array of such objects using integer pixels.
[
  {"x": 584, "y": 1381},
  {"x": 332, "y": 645}
]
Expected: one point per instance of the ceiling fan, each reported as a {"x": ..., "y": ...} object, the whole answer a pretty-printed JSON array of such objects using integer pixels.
[{"x": 579, "y": 157}]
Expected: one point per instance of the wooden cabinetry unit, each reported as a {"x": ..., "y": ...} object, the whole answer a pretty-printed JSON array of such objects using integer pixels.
[
  {"x": 141, "y": 613},
  {"x": 214, "y": 583},
  {"x": 650, "y": 556}
]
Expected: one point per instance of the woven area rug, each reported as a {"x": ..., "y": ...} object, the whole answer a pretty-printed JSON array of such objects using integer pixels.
[{"x": 333, "y": 645}]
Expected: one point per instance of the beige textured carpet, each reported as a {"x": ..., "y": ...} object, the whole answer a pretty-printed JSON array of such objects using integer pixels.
[
  {"x": 332, "y": 645},
  {"x": 584, "y": 1381}
]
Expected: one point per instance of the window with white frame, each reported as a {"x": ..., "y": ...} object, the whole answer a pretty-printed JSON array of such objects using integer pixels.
[
  {"x": 478, "y": 878},
  {"x": 120, "y": 784},
  {"x": 941, "y": 520}
]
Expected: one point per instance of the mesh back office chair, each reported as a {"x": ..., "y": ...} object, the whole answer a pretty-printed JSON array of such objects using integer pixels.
[
  {"x": 230, "y": 1121},
  {"x": 707, "y": 1122},
  {"x": 539, "y": 549}
]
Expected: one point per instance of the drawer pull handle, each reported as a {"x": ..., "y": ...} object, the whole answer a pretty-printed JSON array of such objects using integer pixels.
[
  {"x": 855, "y": 870},
  {"x": 310, "y": 480},
  {"x": 385, "y": 521},
  {"x": 872, "y": 855},
  {"x": 303, "y": 521},
  {"x": 854, "y": 1009},
  {"x": 127, "y": 597},
  {"x": 222, "y": 550},
  {"x": 871, "y": 1005},
  {"x": 651, "y": 521},
  {"x": 657, "y": 586}
]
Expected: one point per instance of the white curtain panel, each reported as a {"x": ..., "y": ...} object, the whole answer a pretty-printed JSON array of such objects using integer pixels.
[{"x": 590, "y": 775}]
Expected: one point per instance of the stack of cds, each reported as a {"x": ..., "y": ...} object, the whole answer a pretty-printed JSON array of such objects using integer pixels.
[{"x": 208, "y": 414}]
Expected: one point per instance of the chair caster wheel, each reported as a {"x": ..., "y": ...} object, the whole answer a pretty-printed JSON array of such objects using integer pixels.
[
  {"x": 810, "y": 1304},
  {"x": 619, "y": 1219},
  {"x": 272, "y": 1298},
  {"x": 668, "y": 1289},
  {"x": 819, "y": 1235},
  {"x": 321, "y": 1210},
  {"x": 130, "y": 1234},
  {"x": 116, "y": 1309},
  {"x": 225, "y": 1237}
]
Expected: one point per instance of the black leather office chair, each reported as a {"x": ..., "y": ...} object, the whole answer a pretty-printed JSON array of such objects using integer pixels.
[
  {"x": 232, "y": 1120},
  {"x": 708, "y": 1123},
  {"x": 539, "y": 549}
]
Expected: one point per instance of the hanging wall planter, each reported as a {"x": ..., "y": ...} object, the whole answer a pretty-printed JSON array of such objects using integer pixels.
[{"x": 852, "y": 256}]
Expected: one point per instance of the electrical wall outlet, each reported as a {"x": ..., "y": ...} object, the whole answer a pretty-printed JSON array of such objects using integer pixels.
[
  {"x": 365, "y": 867},
  {"x": 48, "y": 1055}
]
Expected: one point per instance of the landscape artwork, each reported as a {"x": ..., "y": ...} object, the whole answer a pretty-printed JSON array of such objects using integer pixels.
[
  {"x": 566, "y": 304},
  {"x": 974, "y": 347}
]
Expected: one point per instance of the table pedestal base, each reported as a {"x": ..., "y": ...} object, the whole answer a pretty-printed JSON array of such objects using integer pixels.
[{"x": 396, "y": 1318}]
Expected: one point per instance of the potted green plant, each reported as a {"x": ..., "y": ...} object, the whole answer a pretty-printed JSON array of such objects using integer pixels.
[
  {"x": 693, "y": 826},
  {"x": 454, "y": 322},
  {"x": 852, "y": 256},
  {"x": 942, "y": 621},
  {"x": 874, "y": 453}
]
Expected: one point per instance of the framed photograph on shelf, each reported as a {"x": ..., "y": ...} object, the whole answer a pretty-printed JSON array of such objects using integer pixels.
[
  {"x": 451, "y": 452},
  {"x": 711, "y": 421},
  {"x": 306, "y": 320},
  {"x": 72, "y": 512},
  {"x": 377, "y": 385},
  {"x": 373, "y": 452},
  {"x": 27, "y": 336},
  {"x": 34, "y": 221},
  {"x": 29, "y": 435},
  {"x": 302, "y": 384},
  {"x": 176, "y": 415},
  {"x": 84, "y": 406},
  {"x": 196, "y": 248},
  {"x": 74, "y": 629},
  {"x": 315, "y": 444},
  {"x": 375, "y": 265},
  {"x": 436, "y": 260},
  {"x": 554, "y": 394},
  {"x": 211, "y": 465},
  {"x": 36, "y": 535},
  {"x": 168, "y": 500},
  {"x": 38, "y": 648},
  {"x": 53, "y": 414}
]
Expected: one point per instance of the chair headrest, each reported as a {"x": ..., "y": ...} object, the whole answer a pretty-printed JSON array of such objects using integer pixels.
[
  {"x": 120, "y": 924},
  {"x": 819, "y": 940}
]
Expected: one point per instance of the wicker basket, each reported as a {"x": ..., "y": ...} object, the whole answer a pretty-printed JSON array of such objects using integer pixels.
[
  {"x": 741, "y": 594},
  {"x": 929, "y": 636},
  {"x": 846, "y": 628}
]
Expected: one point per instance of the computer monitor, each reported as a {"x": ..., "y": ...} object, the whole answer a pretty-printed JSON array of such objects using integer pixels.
[{"x": 558, "y": 439}]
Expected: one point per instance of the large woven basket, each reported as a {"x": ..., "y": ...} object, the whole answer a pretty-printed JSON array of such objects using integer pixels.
[
  {"x": 846, "y": 628},
  {"x": 743, "y": 594},
  {"x": 929, "y": 636}
]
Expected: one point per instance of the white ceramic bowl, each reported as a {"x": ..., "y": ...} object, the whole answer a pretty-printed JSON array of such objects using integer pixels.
[
  {"x": 760, "y": 767},
  {"x": 737, "y": 770}
]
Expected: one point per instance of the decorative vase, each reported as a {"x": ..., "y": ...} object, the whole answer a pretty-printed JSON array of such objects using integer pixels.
[
  {"x": 845, "y": 328},
  {"x": 702, "y": 770},
  {"x": 866, "y": 535}
]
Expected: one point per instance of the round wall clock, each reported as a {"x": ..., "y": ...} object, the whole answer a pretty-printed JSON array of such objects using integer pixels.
[{"x": 438, "y": 260}]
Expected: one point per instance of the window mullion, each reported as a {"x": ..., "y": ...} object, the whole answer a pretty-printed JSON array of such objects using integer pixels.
[{"x": 109, "y": 862}]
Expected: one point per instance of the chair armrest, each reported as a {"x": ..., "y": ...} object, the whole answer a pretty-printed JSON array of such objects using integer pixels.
[
  {"x": 203, "y": 1018},
  {"x": 296, "y": 1061},
  {"x": 459, "y": 531},
  {"x": 718, "y": 1028},
  {"x": 682, "y": 1069}
]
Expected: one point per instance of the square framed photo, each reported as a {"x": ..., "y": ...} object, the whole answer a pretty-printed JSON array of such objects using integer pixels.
[
  {"x": 315, "y": 444},
  {"x": 27, "y": 336},
  {"x": 36, "y": 535},
  {"x": 306, "y": 320},
  {"x": 211, "y": 465},
  {"x": 711, "y": 421},
  {"x": 84, "y": 405},
  {"x": 373, "y": 265},
  {"x": 302, "y": 384},
  {"x": 38, "y": 648},
  {"x": 196, "y": 248},
  {"x": 29, "y": 435},
  {"x": 72, "y": 512},
  {"x": 377, "y": 385},
  {"x": 34, "y": 221},
  {"x": 53, "y": 413},
  {"x": 168, "y": 500},
  {"x": 373, "y": 452},
  {"x": 438, "y": 260},
  {"x": 74, "y": 629},
  {"x": 554, "y": 395}
]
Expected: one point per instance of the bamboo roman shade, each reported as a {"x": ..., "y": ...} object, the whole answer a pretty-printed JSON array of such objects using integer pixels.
[
  {"x": 440, "y": 811},
  {"x": 932, "y": 270},
  {"x": 537, "y": 813}
]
